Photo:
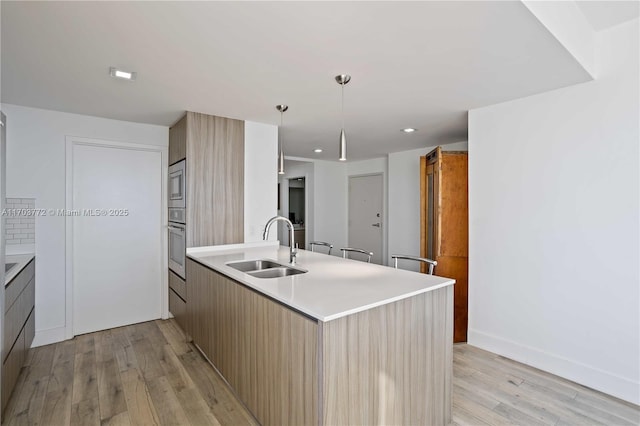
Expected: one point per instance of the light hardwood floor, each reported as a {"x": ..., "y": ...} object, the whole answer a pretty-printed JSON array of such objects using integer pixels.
[{"x": 146, "y": 374}]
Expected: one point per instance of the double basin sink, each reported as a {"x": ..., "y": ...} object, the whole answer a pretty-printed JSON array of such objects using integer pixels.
[{"x": 264, "y": 268}]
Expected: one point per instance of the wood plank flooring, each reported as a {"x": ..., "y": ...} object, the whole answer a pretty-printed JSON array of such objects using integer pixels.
[
  {"x": 146, "y": 374},
  {"x": 143, "y": 374},
  {"x": 492, "y": 390}
]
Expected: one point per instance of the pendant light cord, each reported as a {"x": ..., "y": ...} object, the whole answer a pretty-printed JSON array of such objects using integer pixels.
[{"x": 280, "y": 132}]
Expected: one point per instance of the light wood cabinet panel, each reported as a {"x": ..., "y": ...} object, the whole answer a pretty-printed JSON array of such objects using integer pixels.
[
  {"x": 214, "y": 151},
  {"x": 178, "y": 141},
  {"x": 391, "y": 364},
  {"x": 267, "y": 352},
  {"x": 215, "y": 180},
  {"x": 444, "y": 224},
  {"x": 387, "y": 365}
]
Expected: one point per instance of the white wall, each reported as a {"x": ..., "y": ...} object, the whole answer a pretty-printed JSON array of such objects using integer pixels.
[
  {"x": 330, "y": 204},
  {"x": 404, "y": 201},
  {"x": 36, "y": 168},
  {"x": 554, "y": 212},
  {"x": 260, "y": 178},
  {"x": 569, "y": 26}
]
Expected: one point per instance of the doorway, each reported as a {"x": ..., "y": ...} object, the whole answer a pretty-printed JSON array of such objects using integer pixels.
[
  {"x": 365, "y": 214},
  {"x": 297, "y": 209},
  {"x": 116, "y": 244}
]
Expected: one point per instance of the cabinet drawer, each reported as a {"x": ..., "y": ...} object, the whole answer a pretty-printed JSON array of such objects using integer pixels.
[
  {"x": 13, "y": 290},
  {"x": 178, "y": 285},
  {"x": 17, "y": 315},
  {"x": 178, "y": 308},
  {"x": 11, "y": 368}
]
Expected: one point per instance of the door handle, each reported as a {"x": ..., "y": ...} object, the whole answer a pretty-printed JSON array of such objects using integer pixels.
[{"x": 377, "y": 225}]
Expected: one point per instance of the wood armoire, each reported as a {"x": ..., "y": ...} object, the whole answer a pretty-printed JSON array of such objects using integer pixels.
[{"x": 444, "y": 224}]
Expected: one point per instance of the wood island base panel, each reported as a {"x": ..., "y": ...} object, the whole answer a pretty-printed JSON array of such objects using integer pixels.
[{"x": 390, "y": 364}]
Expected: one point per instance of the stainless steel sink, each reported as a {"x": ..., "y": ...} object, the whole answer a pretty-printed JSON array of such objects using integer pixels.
[
  {"x": 263, "y": 268},
  {"x": 253, "y": 265},
  {"x": 282, "y": 271},
  {"x": 8, "y": 266}
]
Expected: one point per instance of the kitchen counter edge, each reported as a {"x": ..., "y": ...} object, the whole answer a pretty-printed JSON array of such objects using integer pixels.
[{"x": 205, "y": 256}]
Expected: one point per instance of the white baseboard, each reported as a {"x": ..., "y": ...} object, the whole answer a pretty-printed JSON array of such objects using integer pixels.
[
  {"x": 587, "y": 375},
  {"x": 48, "y": 336}
]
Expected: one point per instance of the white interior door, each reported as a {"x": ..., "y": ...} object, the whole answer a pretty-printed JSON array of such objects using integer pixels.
[
  {"x": 365, "y": 214},
  {"x": 116, "y": 258}
]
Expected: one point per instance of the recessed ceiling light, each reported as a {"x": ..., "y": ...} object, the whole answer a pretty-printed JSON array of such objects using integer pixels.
[
  {"x": 409, "y": 130},
  {"x": 317, "y": 150},
  {"x": 125, "y": 75}
]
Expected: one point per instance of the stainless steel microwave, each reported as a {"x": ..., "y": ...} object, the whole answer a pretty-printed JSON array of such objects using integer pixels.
[{"x": 177, "y": 185}]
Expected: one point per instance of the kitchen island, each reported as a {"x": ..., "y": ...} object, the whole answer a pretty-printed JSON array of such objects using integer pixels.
[{"x": 346, "y": 342}]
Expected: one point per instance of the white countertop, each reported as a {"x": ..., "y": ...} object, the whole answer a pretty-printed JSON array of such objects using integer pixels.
[
  {"x": 332, "y": 288},
  {"x": 21, "y": 260}
]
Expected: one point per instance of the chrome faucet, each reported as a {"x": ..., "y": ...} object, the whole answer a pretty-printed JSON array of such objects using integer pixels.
[{"x": 292, "y": 250}]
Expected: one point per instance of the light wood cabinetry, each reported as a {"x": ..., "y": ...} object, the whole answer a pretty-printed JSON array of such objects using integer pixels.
[
  {"x": 215, "y": 180},
  {"x": 386, "y": 365},
  {"x": 178, "y": 141},
  {"x": 267, "y": 352},
  {"x": 444, "y": 224},
  {"x": 390, "y": 365},
  {"x": 214, "y": 151},
  {"x": 213, "y": 148},
  {"x": 19, "y": 326}
]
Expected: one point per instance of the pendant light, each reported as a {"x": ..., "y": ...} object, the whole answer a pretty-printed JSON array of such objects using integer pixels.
[
  {"x": 282, "y": 109},
  {"x": 343, "y": 79}
]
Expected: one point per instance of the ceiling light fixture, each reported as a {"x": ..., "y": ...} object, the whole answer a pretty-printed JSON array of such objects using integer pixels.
[
  {"x": 409, "y": 130},
  {"x": 282, "y": 109},
  {"x": 343, "y": 79},
  {"x": 125, "y": 75},
  {"x": 317, "y": 150}
]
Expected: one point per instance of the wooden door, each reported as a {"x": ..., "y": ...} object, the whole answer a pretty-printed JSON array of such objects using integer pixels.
[
  {"x": 429, "y": 197},
  {"x": 444, "y": 225}
]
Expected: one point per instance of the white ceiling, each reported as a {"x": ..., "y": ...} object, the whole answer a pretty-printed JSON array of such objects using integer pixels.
[
  {"x": 606, "y": 14},
  {"x": 413, "y": 64}
]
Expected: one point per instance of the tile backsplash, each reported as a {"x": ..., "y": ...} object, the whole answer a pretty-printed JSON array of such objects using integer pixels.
[{"x": 20, "y": 228}]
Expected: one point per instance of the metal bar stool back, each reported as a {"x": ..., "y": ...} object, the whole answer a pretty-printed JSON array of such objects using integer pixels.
[
  {"x": 431, "y": 264},
  {"x": 346, "y": 250},
  {"x": 322, "y": 244}
]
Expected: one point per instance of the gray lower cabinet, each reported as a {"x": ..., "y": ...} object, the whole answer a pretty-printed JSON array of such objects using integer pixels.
[{"x": 19, "y": 326}]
